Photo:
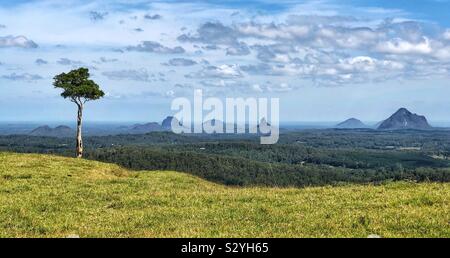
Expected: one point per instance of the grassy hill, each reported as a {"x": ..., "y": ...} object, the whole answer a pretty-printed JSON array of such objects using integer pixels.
[{"x": 50, "y": 196}]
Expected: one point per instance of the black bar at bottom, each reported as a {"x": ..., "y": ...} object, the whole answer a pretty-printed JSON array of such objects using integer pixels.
[{"x": 241, "y": 247}]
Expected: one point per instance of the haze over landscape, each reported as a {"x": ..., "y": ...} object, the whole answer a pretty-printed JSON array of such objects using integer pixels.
[{"x": 326, "y": 60}]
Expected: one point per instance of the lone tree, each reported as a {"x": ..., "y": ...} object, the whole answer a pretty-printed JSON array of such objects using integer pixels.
[{"x": 79, "y": 89}]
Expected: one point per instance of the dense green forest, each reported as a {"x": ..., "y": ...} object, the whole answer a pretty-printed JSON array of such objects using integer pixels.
[
  {"x": 234, "y": 170},
  {"x": 301, "y": 158}
]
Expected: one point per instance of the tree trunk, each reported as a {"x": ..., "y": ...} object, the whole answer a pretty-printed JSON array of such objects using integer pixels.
[{"x": 79, "y": 139}]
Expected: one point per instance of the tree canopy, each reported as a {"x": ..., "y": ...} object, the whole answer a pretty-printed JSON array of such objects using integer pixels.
[{"x": 77, "y": 86}]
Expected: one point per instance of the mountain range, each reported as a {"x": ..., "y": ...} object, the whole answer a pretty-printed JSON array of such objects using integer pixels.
[{"x": 401, "y": 119}]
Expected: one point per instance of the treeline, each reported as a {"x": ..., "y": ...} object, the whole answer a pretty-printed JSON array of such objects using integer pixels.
[
  {"x": 298, "y": 154},
  {"x": 429, "y": 140},
  {"x": 316, "y": 157},
  {"x": 244, "y": 172},
  {"x": 437, "y": 141}
]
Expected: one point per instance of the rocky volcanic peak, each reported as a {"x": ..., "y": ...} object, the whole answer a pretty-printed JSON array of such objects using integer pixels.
[
  {"x": 404, "y": 119},
  {"x": 59, "y": 131},
  {"x": 167, "y": 122},
  {"x": 264, "y": 126},
  {"x": 351, "y": 123}
]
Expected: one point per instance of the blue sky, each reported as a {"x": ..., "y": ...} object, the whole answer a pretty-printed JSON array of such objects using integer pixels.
[
  {"x": 432, "y": 10},
  {"x": 325, "y": 60}
]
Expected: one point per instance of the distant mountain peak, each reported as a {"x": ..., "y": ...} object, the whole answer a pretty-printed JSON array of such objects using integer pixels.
[
  {"x": 61, "y": 127},
  {"x": 402, "y": 111},
  {"x": 59, "y": 131},
  {"x": 42, "y": 128},
  {"x": 351, "y": 123},
  {"x": 404, "y": 119},
  {"x": 145, "y": 128},
  {"x": 167, "y": 122}
]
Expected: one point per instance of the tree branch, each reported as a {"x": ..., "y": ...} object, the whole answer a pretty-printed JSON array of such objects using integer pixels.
[{"x": 76, "y": 101}]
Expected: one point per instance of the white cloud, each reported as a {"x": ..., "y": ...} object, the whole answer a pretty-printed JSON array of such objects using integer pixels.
[
  {"x": 67, "y": 61},
  {"x": 443, "y": 53},
  {"x": 392, "y": 65},
  {"x": 358, "y": 63},
  {"x": 224, "y": 71},
  {"x": 19, "y": 41},
  {"x": 170, "y": 93},
  {"x": 446, "y": 34},
  {"x": 155, "y": 47},
  {"x": 321, "y": 46},
  {"x": 282, "y": 87},
  {"x": 180, "y": 62},
  {"x": 400, "y": 46},
  {"x": 135, "y": 75},
  {"x": 257, "y": 88},
  {"x": 273, "y": 31},
  {"x": 240, "y": 49},
  {"x": 22, "y": 77},
  {"x": 40, "y": 61}
]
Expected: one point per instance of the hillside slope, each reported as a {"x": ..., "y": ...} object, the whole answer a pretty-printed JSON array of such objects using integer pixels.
[{"x": 49, "y": 196}]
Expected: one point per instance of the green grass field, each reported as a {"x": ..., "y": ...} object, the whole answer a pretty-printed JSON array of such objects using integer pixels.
[{"x": 49, "y": 196}]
